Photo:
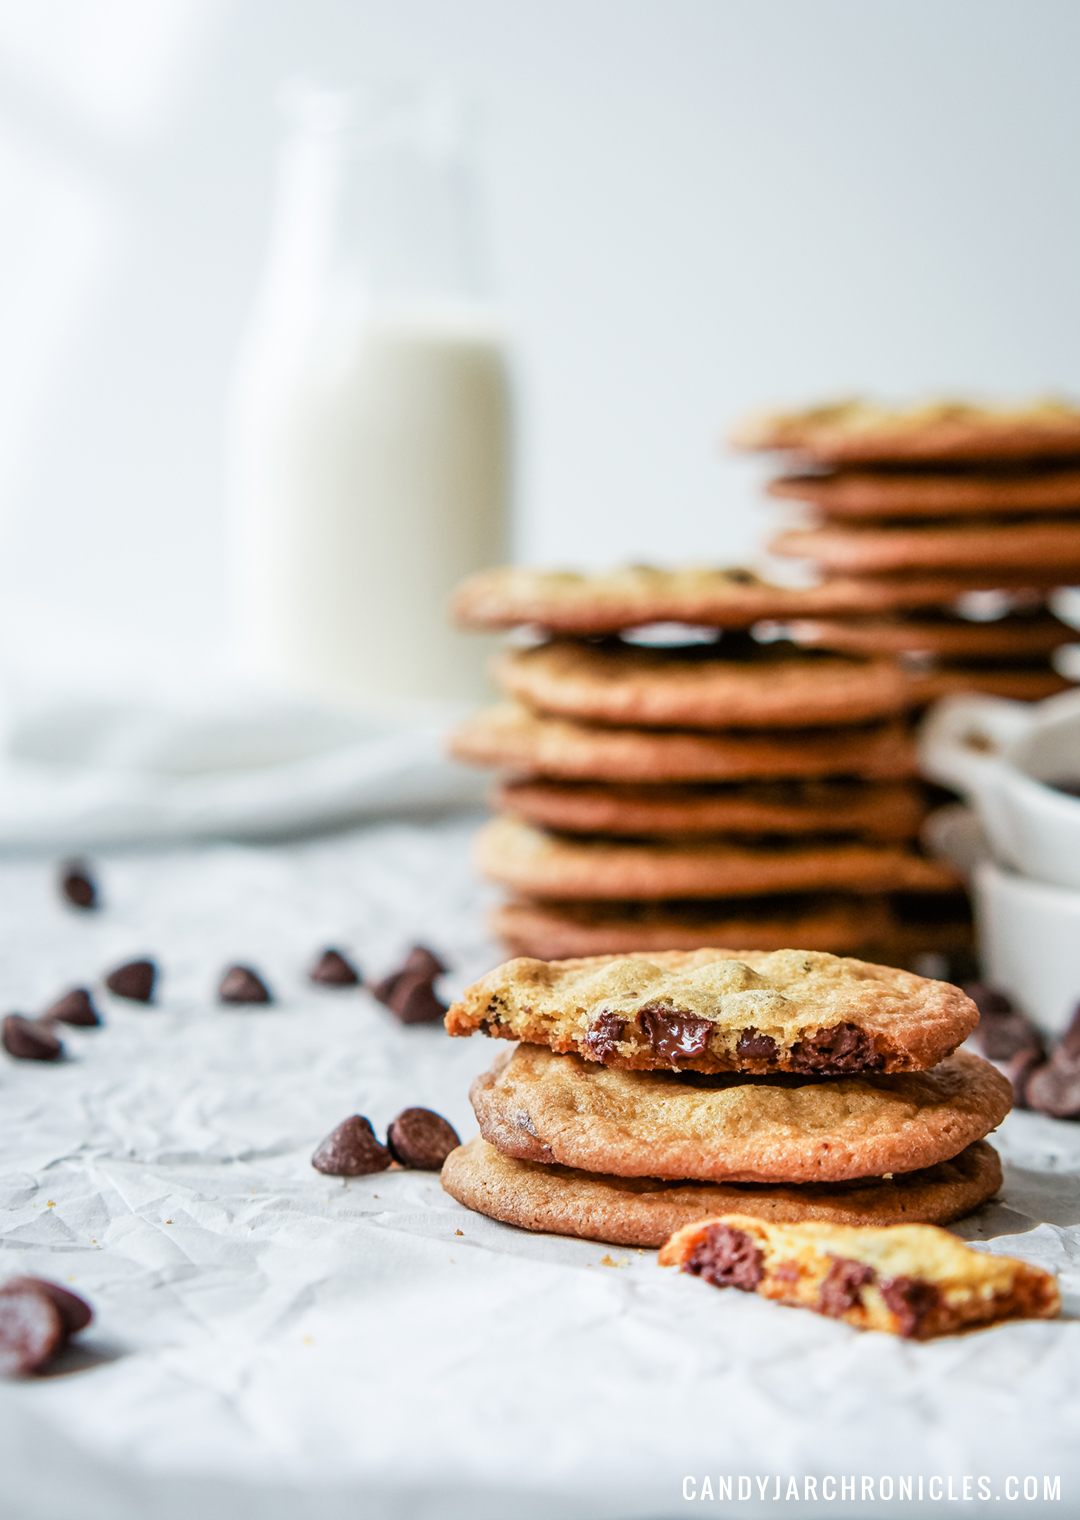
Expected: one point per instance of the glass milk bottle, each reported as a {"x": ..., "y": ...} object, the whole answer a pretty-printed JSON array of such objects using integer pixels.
[{"x": 370, "y": 423}]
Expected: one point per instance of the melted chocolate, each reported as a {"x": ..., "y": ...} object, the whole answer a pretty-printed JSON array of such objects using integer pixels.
[
  {"x": 727, "y": 1258},
  {"x": 672, "y": 1034},
  {"x": 911, "y": 1300},
  {"x": 753, "y": 1046},
  {"x": 600, "y": 1041},
  {"x": 842, "y": 1288},
  {"x": 843, "y": 1048}
]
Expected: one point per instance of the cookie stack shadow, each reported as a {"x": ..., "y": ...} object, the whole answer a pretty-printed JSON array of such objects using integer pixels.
[
  {"x": 671, "y": 782},
  {"x": 640, "y": 1102},
  {"x": 961, "y": 518}
]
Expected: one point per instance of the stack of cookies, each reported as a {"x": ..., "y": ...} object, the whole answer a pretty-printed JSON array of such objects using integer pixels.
[
  {"x": 671, "y": 782},
  {"x": 652, "y": 1092},
  {"x": 964, "y": 515}
]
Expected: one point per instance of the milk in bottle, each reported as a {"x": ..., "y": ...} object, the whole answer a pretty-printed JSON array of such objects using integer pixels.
[{"x": 371, "y": 419}]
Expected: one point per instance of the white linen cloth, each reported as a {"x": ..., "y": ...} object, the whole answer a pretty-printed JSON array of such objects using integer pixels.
[
  {"x": 82, "y": 774},
  {"x": 271, "y": 1342}
]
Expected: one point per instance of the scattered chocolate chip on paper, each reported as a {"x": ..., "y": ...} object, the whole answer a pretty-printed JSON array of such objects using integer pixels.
[
  {"x": 1054, "y": 1087},
  {"x": 420, "y": 963},
  {"x": 134, "y": 981},
  {"x": 75, "y": 1007},
  {"x": 333, "y": 970},
  {"x": 36, "y": 1319},
  {"x": 987, "y": 999},
  {"x": 77, "y": 886},
  {"x": 421, "y": 1139},
  {"x": 27, "y": 1040},
  {"x": 413, "y": 1001},
  {"x": 351, "y": 1150},
  {"x": 242, "y": 985},
  {"x": 409, "y": 992}
]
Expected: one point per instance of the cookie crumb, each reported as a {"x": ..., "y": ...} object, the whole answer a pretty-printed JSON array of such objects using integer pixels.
[{"x": 459, "y": 1232}]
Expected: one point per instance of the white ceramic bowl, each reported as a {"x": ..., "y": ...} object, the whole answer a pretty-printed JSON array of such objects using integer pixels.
[
  {"x": 1001, "y": 755},
  {"x": 1029, "y": 943}
]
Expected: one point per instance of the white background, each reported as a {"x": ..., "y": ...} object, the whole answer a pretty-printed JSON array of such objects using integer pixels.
[{"x": 694, "y": 206}]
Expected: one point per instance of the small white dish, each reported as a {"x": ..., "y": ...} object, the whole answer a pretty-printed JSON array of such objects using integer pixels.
[
  {"x": 1010, "y": 759},
  {"x": 1029, "y": 944}
]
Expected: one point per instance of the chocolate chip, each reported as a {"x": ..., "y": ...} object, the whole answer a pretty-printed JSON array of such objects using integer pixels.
[
  {"x": 842, "y": 1288},
  {"x": 31, "y": 1330},
  {"x": 753, "y": 1046},
  {"x": 77, "y": 885},
  {"x": 414, "y": 1002},
  {"x": 333, "y": 970},
  {"x": 1000, "y": 1036},
  {"x": 75, "y": 1007},
  {"x": 75, "y": 1313},
  {"x": 987, "y": 999},
  {"x": 421, "y": 961},
  {"x": 421, "y": 964},
  {"x": 1019, "y": 1070},
  {"x": 831, "y": 1052},
  {"x": 421, "y": 1139},
  {"x": 351, "y": 1150},
  {"x": 912, "y": 1300},
  {"x": 727, "y": 1258},
  {"x": 1070, "y": 1040},
  {"x": 600, "y": 1040},
  {"x": 672, "y": 1034},
  {"x": 28, "y": 1041},
  {"x": 134, "y": 981},
  {"x": 241, "y": 985},
  {"x": 1054, "y": 1088}
]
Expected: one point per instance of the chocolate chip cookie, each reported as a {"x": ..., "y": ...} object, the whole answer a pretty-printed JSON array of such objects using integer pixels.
[
  {"x": 538, "y": 1106},
  {"x": 722, "y": 1010},
  {"x": 645, "y": 1211}
]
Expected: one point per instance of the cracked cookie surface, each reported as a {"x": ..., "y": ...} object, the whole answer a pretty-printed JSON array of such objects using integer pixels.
[{"x": 722, "y": 1010}]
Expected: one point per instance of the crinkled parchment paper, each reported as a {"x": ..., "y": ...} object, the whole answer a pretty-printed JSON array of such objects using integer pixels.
[{"x": 274, "y": 1343}]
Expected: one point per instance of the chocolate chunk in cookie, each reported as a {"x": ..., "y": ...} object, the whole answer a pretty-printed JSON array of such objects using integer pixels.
[
  {"x": 843, "y": 1285},
  {"x": 841, "y": 1048},
  {"x": 727, "y": 1258},
  {"x": 601, "y": 1038},
  {"x": 755, "y": 1046},
  {"x": 672, "y": 1034}
]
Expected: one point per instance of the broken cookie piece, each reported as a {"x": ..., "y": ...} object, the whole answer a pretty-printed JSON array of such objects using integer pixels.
[
  {"x": 722, "y": 1010},
  {"x": 912, "y": 1280}
]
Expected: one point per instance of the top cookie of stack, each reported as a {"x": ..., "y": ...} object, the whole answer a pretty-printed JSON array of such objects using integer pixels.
[
  {"x": 955, "y": 498},
  {"x": 710, "y": 791}
]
